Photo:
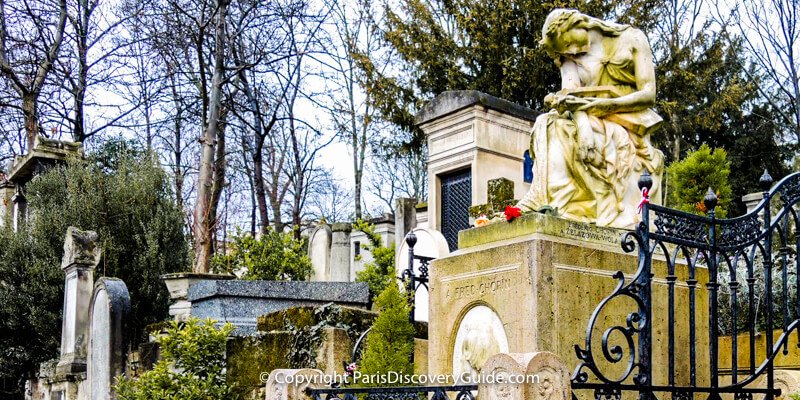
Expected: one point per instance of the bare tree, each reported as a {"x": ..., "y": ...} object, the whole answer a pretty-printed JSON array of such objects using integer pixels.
[
  {"x": 29, "y": 47},
  {"x": 329, "y": 199},
  {"x": 211, "y": 172},
  {"x": 398, "y": 174},
  {"x": 352, "y": 110},
  {"x": 771, "y": 33}
]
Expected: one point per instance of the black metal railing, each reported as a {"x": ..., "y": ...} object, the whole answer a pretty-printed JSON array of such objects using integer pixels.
[
  {"x": 395, "y": 393},
  {"x": 412, "y": 280},
  {"x": 738, "y": 254}
]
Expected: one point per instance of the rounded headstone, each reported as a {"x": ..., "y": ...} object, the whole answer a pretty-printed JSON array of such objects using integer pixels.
[
  {"x": 108, "y": 312},
  {"x": 430, "y": 243},
  {"x": 319, "y": 251}
]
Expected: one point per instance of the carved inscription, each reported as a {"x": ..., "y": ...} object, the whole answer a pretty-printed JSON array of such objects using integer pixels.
[
  {"x": 581, "y": 231},
  {"x": 479, "y": 288}
]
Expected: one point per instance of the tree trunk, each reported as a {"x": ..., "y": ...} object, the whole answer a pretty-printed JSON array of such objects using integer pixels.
[
  {"x": 205, "y": 181},
  {"x": 258, "y": 182},
  {"x": 31, "y": 116}
]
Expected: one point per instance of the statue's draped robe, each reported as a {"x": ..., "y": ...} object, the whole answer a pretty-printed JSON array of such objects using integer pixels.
[{"x": 603, "y": 188}]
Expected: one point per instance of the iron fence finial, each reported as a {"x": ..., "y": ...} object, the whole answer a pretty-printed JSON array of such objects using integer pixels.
[
  {"x": 765, "y": 182},
  {"x": 645, "y": 180},
  {"x": 711, "y": 200},
  {"x": 411, "y": 239}
]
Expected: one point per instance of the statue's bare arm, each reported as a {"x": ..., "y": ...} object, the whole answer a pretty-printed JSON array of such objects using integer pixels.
[{"x": 645, "y": 95}]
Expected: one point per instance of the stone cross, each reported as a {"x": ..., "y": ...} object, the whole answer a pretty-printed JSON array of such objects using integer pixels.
[
  {"x": 109, "y": 312},
  {"x": 81, "y": 256}
]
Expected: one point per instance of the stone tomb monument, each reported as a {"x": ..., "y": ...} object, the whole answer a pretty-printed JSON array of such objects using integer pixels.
[
  {"x": 531, "y": 285},
  {"x": 108, "y": 336},
  {"x": 81, "y": 256}
]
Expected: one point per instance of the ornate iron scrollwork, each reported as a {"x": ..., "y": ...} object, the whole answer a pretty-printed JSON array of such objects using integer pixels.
[
  {"x": 607, "y": 394},
  {"x": 739, "y": 232},
  {"x": 683, "y": 227},
  {"x": 790, "y": 190},
  {"x": 635, "y": 321}
]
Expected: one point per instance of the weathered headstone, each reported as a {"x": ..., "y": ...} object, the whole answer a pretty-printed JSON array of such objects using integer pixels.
[
  {"x": 319, "y": 251},
  {"x": 340, "y": 252},
  {"x": 430, "y": 243},
  {"x": 81, "y": 256},
  {"x": 405, "y": 219},
  {"x": 108, "y": 338}
]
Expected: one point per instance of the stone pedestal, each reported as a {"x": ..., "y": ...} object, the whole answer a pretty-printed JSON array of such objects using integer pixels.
[
  {"x": 751, "y": 200},
  {"x": 178, "y": 286},
  {"x": 81, "y": 256},
  {"x": 532, "y": 285}
]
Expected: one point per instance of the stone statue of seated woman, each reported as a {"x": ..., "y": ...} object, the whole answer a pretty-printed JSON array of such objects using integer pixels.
[{"x": 593, "y": 145}]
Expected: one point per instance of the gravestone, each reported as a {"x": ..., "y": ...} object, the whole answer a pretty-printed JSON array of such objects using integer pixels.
[
  {"x": 81, "y": 256},
  {"x": 405, "y": 219},
  {"x": 108, "y": 336},
  {"x": 290, "y": 384},
  {"x": 319, "y": 251},
  {"x": 430, "y": 243},
  {"x": 340, "y": 252},
  {"x": 536, "y": 376}
]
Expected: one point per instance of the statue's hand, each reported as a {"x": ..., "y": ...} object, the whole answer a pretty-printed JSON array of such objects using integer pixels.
[
  {"x": 599, "y": 107},
  {"x": 564, "y": 102}
]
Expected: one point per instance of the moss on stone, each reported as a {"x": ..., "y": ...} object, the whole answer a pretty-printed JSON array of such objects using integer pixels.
[
  {"x": 304, "y": 317},
  {"x": 249, "y": 357},
  {"x": 300, "y": 317},
  {"x": 476, "y": 211},
  {"x": 499, "y": 192}
]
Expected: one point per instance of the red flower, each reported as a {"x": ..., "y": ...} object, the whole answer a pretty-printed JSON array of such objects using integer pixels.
[{"x": 512, "y": 212}]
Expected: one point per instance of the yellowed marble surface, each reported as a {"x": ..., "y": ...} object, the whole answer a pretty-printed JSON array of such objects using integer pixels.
[{"x": 593, "y": 145}]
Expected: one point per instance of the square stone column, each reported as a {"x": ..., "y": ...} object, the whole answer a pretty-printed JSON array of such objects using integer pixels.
[
  {"x": 7, "y": 190},
  {"x": 81, "y": 256}
]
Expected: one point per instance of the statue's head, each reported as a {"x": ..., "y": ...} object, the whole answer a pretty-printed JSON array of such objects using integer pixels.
[{"x": 566, "y": 32}]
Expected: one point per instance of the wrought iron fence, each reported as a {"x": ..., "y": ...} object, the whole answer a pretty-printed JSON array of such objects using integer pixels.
[{"x": 742, "y": 253}]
